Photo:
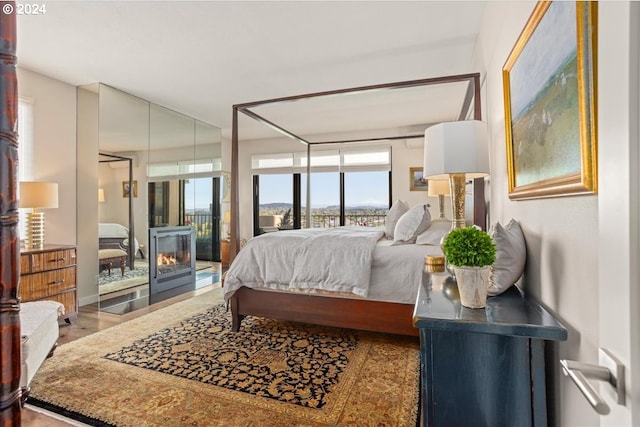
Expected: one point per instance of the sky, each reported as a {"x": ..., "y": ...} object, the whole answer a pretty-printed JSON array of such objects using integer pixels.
[
  {"x": 362, "y": 188},
  {"x": 549, "y": 46}
]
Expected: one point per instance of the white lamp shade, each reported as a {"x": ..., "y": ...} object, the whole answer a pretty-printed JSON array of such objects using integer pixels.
[
  {"x": 456, "y": 147},
  {"x": 38, "y": 195},
  {"x": 438, "y": 187}
]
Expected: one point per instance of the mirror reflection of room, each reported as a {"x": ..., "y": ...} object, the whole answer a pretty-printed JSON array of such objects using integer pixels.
[{"x": 157, "y": 169}]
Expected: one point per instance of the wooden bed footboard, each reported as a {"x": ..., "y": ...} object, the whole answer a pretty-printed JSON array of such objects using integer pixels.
[{"x": 375, "y": 316}]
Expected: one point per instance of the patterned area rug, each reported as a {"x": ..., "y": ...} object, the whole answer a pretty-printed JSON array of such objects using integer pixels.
[
  {"x": 141, "y": 269},
  {"x": 116, "y": 282},
  {"x": 181, "y": 366}
]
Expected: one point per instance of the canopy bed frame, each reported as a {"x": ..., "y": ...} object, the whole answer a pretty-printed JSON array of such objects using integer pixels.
[
  {"x": 336, "y": 311},
  {"x": 108, "y": 243}
]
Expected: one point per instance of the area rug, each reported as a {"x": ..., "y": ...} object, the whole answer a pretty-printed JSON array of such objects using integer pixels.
[
  {"x": 116, "y": 282},
  {"x": 181, "y": 366}
]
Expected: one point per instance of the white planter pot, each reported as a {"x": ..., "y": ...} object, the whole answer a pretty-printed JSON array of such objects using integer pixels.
[{"x": 473, "y": 283}]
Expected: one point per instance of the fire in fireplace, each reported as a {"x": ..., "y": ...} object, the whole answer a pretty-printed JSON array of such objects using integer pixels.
[{"x": 173, "y": 265}]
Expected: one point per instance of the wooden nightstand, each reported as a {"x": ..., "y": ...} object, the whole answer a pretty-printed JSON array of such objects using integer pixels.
[{"x": 50, "y": 274}]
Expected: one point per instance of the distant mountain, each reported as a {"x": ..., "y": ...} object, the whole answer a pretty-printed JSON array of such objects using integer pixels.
[
  {"x": 280, "y": 205},
  {"x": 365, "y": 207},
  {"x": 276, "y": 205}
]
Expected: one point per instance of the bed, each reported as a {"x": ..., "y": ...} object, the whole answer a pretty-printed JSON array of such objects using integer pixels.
[
  {"x": 248, "y": 296},
  {"x": 351, "y": 277},
  {"x": 116, "y": 236}
]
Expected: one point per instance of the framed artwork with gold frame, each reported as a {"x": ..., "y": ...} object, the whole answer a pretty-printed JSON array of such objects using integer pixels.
[
  {"x": 417, "y": 181},
  {"x": 550, "y": 103},
  {"x": 125, "y": 188}
]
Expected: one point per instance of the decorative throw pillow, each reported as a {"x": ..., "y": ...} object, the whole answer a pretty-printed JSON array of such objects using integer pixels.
[
  {"x": 434, "y": 234},
  {"x": 411, "y": 224},
  {"x": 511, "y": 254},
  {"x": 398, "y": 209}
]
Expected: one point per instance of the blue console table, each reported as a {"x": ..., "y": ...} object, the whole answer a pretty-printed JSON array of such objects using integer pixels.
[{"x": 482, "y": 367}]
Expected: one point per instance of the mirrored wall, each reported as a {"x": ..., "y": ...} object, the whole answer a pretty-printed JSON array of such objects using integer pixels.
[{"x": 156, "y": 168}]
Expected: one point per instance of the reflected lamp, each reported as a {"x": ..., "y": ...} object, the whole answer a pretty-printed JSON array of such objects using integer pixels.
[
  {"x": 439, "y": 188},
  {"x": 37, "y": 195},
  {"x": 101, "y": 195},
  {"x": 456, "y": 151},
  {"x": 227, "y": 222}
]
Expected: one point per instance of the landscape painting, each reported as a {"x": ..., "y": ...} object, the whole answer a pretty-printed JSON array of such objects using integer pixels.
[
  {"x": 548, "y": 83},
  {"x": 417, "y": 181}
]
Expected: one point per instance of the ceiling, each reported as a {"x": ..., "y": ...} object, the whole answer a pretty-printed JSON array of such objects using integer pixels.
[{"x": 202, "y": 57}]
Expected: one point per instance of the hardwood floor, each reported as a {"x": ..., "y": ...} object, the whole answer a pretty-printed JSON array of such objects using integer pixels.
[{"x": 89, "y": 321}]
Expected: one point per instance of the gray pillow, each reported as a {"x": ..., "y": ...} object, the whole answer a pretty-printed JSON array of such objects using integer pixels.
[
  {"x": 511, "y": 255},
  {"x": 411, "y": 224},
  {"x": 434, "y": 234},
  {"x": 398, "y": 209}
]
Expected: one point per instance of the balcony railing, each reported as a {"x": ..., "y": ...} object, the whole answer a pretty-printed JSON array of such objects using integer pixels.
[
  {"x": 328, "y": 221},
  {"x": 201, "y": 222},
  {"x": 203, "y": 225}
]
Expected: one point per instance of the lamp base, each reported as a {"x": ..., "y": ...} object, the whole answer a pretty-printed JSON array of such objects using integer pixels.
[
  {"x": 457, "y": 182},
  {"x": 441, "y": 204},
  {"x": 35, "y": 230}
]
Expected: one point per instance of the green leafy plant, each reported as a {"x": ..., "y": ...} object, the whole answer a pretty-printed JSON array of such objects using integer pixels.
[{"x": 469, "y": 246}]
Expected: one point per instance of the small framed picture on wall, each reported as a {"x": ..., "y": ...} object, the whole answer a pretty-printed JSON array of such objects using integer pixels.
[
  {"x": 126, "y": 189},
  {"x": 417, "y": 181}
]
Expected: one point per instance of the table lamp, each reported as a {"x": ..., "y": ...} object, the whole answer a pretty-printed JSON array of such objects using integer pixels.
[
  {"x": 36, "y": 195},
  {"x": 227, "y": 222},
  {"x": 439, "y": 188},
  {"x": 456, "y": 151}
]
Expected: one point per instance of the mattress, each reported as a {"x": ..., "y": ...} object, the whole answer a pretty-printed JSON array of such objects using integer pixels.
[{"x": 394, "y": 273}]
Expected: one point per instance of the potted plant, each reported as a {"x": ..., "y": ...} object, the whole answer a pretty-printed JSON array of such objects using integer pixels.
[{"x": 470, "y": 252}]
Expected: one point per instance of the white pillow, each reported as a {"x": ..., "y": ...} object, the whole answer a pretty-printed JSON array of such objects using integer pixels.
[
  {"x": 413, "y": 222},
  {"x": 511, "y": 255},
  {"x": 398, "y": 209},
  {"x": 434, "y": 234}
]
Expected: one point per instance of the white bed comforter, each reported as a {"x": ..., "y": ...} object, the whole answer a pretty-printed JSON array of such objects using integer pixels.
[
  {"x": 335, "y": 259},
  {"x": 111, "y": 229}
]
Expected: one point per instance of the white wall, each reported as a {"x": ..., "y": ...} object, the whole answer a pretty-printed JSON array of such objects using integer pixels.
[
  {"x": 578, "y": 260},
  {"x": 54, "y": 118},
  {"x": 87, "y": 178}
]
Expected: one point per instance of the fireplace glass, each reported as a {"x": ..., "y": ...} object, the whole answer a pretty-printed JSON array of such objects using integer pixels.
[
  {"x": 173, "y": 254},
  {"x": 172, "y": 268}
]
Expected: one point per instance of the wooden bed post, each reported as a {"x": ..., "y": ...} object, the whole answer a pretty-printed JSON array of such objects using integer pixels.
[
  {"x": 10, "y": 393},
  {"x": 234, "y": 225},
  {"x": 479, "y": 200}
]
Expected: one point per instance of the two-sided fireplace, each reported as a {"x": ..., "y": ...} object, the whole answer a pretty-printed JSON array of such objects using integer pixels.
[{"x": 172, "y": 262}]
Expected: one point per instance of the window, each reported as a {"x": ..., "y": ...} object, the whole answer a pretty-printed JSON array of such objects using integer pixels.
[
  {"x": 325, "y": 199},
  {"x": 188, "y": 192},
  {"x": 347, "y": 187},
  {"x": 25, "y": 139},
  {"x": 25, "y": 152},
  {"x": 366, "y": 198},
  {"x": 275, "y": 202}
]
